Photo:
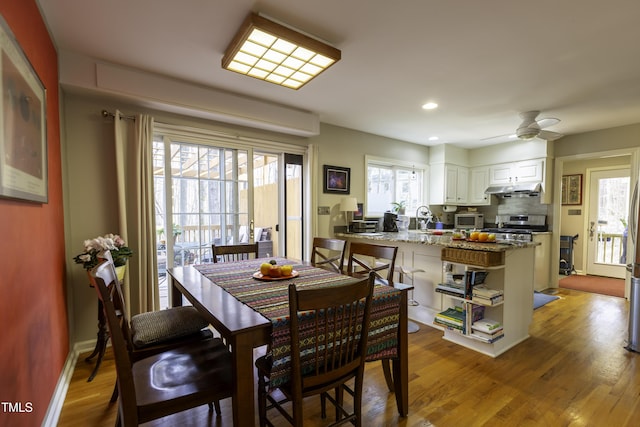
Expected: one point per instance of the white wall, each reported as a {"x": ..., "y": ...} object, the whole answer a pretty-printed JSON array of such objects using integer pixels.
[{"x": 347, "y": 148}]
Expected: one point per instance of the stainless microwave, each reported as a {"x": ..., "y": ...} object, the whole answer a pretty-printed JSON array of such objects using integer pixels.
[{"x": 468, "y": 221}]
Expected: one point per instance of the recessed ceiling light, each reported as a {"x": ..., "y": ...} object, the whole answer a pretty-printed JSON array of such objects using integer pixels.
[
  {"x": 430, "y": 106},
  {"x": 433, "y": 138}
]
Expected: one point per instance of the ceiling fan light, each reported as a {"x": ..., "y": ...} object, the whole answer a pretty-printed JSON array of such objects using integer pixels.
[{"x": 527, "y": 133}]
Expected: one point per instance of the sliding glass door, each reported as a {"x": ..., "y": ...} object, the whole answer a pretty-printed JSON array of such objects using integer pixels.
[{"x": 208, "y": 192}]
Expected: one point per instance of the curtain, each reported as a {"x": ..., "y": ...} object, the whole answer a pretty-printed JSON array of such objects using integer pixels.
[{"x": 134, "y": 176}]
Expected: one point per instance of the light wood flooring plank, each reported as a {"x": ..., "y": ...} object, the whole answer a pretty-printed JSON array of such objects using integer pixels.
[{"x": 572, "y": 371}]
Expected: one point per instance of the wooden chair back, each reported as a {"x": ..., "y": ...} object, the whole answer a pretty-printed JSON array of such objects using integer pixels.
[
  {"x": 328, "y": 254},
  {"x": 175, "y": 380},
  {"x": 379, "y": 259},
  {"x": 105, "y": 282},
  {"x": 235, "y": 252},
  {"x": 338, "y": 349}
]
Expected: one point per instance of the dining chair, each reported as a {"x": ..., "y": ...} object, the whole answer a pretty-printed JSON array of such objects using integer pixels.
[
  {"x": 237, "y": 252},
  {"x": 380, "y": 260},
  {"x": 329, "y": 330},
  {"x": 165, "y": 383},
  {"x": 157, "y": 331},
  {"x": 328, "y": 254}
]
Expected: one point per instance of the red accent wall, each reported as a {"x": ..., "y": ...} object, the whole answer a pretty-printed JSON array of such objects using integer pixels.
[{"x": 34, "y": 336}]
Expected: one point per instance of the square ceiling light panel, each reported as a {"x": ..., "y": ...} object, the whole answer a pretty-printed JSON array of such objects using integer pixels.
[{"x": 272, "y": 52}]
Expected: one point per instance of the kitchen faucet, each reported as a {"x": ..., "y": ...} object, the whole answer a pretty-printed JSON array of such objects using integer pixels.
[{"x": 428, "y": 215}]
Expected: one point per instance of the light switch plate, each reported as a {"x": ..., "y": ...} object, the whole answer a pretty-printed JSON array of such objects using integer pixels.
[{"x": 324, "y": 210}]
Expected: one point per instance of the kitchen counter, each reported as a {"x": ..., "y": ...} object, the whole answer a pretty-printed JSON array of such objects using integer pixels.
[
  {"x": 510, "y": 268},
  {"x": 445, "y": 240}
]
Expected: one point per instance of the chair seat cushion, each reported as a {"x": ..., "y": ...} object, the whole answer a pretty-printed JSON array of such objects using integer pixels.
[{"x": 159, "y": 326}]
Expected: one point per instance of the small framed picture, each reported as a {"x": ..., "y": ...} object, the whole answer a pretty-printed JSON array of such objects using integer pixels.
[
  {"x": 336, "y": 179},
  {"x": 359, "y": 214},
  {"x": 572, "y": 189},
  {"x": 23, "y": 133}
]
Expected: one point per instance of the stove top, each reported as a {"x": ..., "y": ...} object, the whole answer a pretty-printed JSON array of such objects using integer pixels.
[{"x": 510, "y": 234}]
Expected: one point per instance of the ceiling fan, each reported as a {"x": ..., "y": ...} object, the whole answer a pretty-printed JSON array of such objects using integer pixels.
[{"x": 531, "y": 128}]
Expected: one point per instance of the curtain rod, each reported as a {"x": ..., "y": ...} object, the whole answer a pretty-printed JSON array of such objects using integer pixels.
[{"x": 106, "y": 113}]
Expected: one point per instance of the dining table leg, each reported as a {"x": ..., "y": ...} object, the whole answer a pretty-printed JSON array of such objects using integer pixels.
[
  {"x": 401, "y": 363},
  {"x": 243, "y": 400}
]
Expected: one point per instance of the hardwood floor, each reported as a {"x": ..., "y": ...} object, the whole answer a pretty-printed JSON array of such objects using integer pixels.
[{"x": 572, "y": 371}]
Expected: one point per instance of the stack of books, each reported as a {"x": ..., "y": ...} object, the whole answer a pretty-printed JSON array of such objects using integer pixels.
[
  {"x": 452, "y": 289},
  {"x": 487, "y": 296},
  {"x": 452, "y": 318},
  {"x": 487, "y": 330}
]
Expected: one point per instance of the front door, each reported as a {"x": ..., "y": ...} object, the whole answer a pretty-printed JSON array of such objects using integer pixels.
[{"x": 607, "y": 222}]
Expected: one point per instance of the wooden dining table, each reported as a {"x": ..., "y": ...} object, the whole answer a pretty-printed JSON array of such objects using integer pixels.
[{"x": 250, "y": 313}]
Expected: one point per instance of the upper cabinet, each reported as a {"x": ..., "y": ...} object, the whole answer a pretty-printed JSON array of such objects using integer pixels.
[
  {"x": 512, "y": 173},
  {"x": 478, "y": 183},
  {"x": 448, "y": 184}
]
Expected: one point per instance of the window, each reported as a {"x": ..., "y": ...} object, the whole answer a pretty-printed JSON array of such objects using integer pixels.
[
  {"x": 201, "y": 194},
  {"x": 388, "y": 183}
]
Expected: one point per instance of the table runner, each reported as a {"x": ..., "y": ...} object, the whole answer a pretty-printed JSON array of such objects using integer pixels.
[{"x": 271, "y": 299}]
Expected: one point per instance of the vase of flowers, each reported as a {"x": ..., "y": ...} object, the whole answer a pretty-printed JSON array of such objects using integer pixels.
[{"x": 111, "y": 242}]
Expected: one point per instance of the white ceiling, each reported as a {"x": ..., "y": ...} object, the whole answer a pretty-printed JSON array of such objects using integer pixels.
[{"x": 483, "y": 61}]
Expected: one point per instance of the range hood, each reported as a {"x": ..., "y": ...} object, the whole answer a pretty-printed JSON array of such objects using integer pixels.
[{"x": 525, "y": 189}]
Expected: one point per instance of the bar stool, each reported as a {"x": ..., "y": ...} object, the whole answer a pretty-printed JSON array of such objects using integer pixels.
[{"x": 409, "y": 272}]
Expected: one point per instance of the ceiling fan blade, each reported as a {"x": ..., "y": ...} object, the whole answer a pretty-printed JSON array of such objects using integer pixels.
[
  {"x": 549, "y": 135},
  {"x": 500, "y": 138},
  {"x": 545, "y": 123}
]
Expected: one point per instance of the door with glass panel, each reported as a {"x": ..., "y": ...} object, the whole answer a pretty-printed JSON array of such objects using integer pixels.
[
  {"x": 607, "y": 222},
  {"x": 275, "y": 186}
]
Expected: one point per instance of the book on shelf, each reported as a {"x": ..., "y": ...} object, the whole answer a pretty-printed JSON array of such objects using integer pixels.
[
  {"x": 487, "y": 335},
  {"x": 487, "y": 301},
  {"x": 448, "y": 291},
  {"x": 447, "y": 325},
  {"x": 452, "y": 317},
  {"x": 495, "y": 338},
  {"x": 483, "y": 291},
  {"x": 454, "y": 314},
  {"x": 486, "y": 325},
  {"x": 477, "y": 312}
]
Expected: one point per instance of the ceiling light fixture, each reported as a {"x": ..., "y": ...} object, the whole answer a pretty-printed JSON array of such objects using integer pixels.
[
  {"x": 277, "y": 54},
  {"x": 430, "y": 106}
]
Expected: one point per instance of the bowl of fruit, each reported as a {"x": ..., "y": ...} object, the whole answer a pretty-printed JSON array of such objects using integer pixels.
[{"x": 272, "y": 271}]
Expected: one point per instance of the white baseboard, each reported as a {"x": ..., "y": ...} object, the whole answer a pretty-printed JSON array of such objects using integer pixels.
[{"x": 60, "y": 392}]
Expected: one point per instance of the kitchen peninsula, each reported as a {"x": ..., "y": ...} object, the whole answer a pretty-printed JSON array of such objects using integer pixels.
[{"x": 510, "y": 268}]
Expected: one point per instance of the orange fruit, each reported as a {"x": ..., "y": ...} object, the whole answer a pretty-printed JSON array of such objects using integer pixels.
[{"x": 275, "y": 271}]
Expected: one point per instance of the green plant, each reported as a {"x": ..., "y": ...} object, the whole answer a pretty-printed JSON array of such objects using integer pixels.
[{"x": 399, "y": 206}]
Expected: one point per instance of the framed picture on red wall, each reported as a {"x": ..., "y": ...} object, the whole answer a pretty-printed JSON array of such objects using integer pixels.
[{"x": 23, "y": 133}]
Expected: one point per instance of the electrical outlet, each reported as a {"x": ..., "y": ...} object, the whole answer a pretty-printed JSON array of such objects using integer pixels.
[{"x": 324, "y": 210}]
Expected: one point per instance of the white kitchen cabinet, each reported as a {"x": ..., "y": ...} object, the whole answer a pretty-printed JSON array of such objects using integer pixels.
[
  {"x": 448, "y": 184},
  {"x": 478, "y": 183},
  {"x": 512, "y": 173}
]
